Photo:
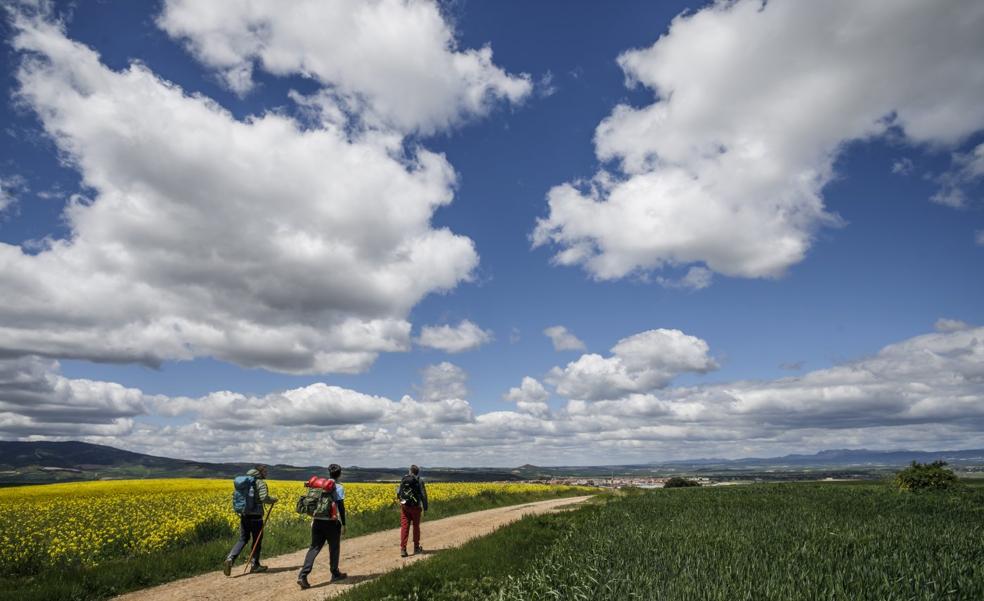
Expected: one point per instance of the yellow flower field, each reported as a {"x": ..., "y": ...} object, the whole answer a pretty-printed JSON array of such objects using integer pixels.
[{"x": 88, "y": 522}]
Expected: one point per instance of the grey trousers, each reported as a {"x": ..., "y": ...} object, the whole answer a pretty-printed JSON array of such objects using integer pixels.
[{"x": 249, "y": 528}]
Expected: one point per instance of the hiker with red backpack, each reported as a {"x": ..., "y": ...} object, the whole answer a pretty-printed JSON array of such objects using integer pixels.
[
  {"x": 324, "y": 501},
  {"x": 249, "y": 495},
  {"x": 412, "y": 496}
]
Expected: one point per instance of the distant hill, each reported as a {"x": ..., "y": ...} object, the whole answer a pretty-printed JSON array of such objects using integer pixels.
[
  {"x": 44, "y": 462},
  {"x": 837, "y": 463},
  {"x": 841, "y": 458}
]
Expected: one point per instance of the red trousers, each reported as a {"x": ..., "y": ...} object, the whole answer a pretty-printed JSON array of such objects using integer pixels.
[{"x": 409, "y": 515}]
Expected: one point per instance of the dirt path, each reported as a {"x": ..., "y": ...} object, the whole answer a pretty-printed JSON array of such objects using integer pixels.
[{"x": 363, "y": 558}]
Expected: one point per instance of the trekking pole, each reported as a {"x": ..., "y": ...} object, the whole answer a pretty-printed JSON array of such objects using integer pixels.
[{"x": 257, "y": 541}]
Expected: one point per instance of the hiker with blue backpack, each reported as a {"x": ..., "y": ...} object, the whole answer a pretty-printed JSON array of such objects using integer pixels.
[
  {"x": 324, "y": 501},
  {"x": 250, "y": 494},
  {"x": 412, "y": 496}
]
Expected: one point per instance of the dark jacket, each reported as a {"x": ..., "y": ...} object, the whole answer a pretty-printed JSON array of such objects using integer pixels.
[{"x": 420, "y": 489}]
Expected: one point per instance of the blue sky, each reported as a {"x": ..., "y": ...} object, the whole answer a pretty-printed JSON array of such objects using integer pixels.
[{"x": 240, "y": 231}]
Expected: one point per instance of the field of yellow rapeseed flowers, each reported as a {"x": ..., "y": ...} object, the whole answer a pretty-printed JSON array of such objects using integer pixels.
[{"x": 86, "y": 523}]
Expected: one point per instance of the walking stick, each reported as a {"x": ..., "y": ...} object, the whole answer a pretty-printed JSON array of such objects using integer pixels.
[{"x": 257, "y": 541}]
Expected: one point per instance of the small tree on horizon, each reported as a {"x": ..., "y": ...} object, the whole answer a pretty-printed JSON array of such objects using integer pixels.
[
  {"x": 680, "y": 482},
  {"x": 926, "y": 476}
]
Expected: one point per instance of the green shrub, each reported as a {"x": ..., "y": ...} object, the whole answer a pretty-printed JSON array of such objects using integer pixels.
[
  {"x": 679, "y": 482},
  {"x": 926, "y": 476}
]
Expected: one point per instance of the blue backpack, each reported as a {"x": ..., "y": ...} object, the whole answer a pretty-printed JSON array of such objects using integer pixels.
[{"x": 244, "y": 495}]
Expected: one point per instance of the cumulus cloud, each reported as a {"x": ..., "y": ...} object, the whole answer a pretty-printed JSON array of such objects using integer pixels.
[
  {"x": 315, "y": 405},
  {"x": 931, "y": 378},
  {"x": 563, "y": 339},
  {"x": 318, "y": 405},
  {"x": 465, "y": 336},
  {"x": 944, "y": 324},
  {"x": 37, "y": 400},
  {"x": 389, "y": 62},
  {"x": 639, "y": 363},
  {"x": 754, "y": 102},
  {"x": 530, "y": 397},
  {"x": 195, "y": 239},
  {"x": 443, "y": 381},
  {"x": 926, "y": 391},
  {"x": 420, "y": 417}
]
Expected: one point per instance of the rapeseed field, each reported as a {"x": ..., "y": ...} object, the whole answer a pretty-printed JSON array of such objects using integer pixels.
[{"x": 83, "y": 524}]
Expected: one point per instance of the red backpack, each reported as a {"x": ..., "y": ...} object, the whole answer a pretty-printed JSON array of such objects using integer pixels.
[{"x": 320, "y": 500}]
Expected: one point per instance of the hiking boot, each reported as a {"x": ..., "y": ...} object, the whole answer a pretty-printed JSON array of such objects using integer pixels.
[
  {"x": 338, "y": 576},
  {"x": 257, "y": 568},
  {"x": 417, "y": 549},
  {"x": 303, "y": 583},
  {"x": 403, "y": 553},
  {"x": 227, "y": 567}
]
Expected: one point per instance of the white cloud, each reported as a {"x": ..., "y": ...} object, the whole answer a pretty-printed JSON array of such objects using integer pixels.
[
  {"x": 465, "y": 336},
  {"x": 934, "y": 377},
  {"x": 530, "y": 397},
  {"x": 979, "y": 237},
  {"x": 443, "y": 381},
  {"x": 317, "y": 405},
  {"x": 639, "y": 363},
  {"x": 754, "y": 102},
  {"x": 391, "y": 62},
  {"x": 903, "y": 166},
  {"x": 926, "y": 392},
  {"x": 563, "y": 339},
  {"x": 9, "y": 189},
  {"x": 696, "y": 278},
  {"x": 967, "y": 169},
  {"x": 36, "y": 399},
  {"x": 944, "y": 324},
  {"x": 930, "y": 378},
  {"x": 199, "y": 241},
  {"x": 546, "y": 86},
  {"x": 419, "y": 417}
]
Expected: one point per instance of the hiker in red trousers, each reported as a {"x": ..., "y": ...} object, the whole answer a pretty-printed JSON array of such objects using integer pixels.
[{"x": 412, "y": 495}]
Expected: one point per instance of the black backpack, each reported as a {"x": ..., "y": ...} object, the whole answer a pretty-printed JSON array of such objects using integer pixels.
[{"x": 409, "y": 492}]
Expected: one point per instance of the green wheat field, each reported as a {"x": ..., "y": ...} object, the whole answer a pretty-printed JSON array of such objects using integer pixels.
[{"x": 779, "y": 542}]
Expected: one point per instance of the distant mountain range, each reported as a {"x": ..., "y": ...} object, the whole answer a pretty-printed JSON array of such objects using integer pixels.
[
  {"x": 843, "y": 458},
  {"x": 42, "y": 462},
  {"x": 838, "y": 463}
]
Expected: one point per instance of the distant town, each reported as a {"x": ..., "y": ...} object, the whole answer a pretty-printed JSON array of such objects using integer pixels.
[{"x": 617, "y": 482}]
